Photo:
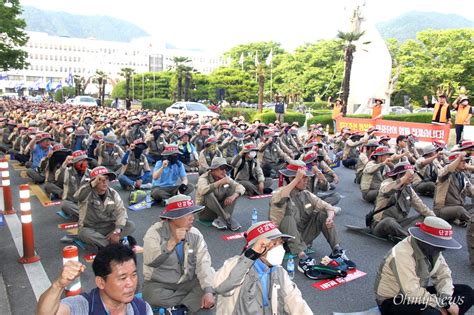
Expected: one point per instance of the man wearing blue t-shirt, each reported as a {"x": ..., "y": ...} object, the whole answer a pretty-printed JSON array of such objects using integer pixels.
[
  {"x": 167, "y": 173},
  {"x": 39, "y": 146}
]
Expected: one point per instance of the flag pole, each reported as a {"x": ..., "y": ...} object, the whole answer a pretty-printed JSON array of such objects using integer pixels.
[{"x": 271, "y": 80}]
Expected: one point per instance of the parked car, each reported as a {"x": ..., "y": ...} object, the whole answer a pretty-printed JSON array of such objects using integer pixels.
[
  {"x": 399, "y": 110},
  {"x": 191, "y": 109},
  {"x": 424, "y": 110},
  {"x": 84, "y": 100}
]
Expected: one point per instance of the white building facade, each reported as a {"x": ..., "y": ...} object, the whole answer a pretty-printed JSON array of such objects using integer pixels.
[{"x": 54, "y": 58}]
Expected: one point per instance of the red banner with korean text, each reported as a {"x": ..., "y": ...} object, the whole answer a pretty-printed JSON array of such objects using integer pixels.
[{"x": 424, "y": 132}]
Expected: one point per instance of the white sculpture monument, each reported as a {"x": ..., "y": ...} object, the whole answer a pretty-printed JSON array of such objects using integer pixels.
[{"x": 371, "y": 67}]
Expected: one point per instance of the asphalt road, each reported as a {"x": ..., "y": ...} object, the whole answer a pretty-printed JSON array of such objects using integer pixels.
[{"x": 353, "y": 296}]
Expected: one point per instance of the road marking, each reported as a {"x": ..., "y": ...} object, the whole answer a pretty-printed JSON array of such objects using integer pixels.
[{"x": 36, "y": 274}]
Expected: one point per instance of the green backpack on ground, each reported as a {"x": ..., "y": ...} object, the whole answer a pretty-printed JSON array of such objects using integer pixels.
[{"x": 136, "y": 196}]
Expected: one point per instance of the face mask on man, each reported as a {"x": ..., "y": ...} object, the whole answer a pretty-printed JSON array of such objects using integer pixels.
[
  {"x": 275, "y": 255},
  {"x": 69, "y": 130},
  {"x": 173, "y": 159},
  {"x": 81, "y": 166},
  {"x": 252, "y": 154}
]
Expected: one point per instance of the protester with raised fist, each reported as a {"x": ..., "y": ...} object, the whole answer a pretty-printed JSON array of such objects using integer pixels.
[
  {"x": 239, "y": 280},
  {"x": 169, "y": 175},
  {"x": 116, "y": 278},
  {"x": 176, "y": 263},
  {"x": 103, "y": 219}
]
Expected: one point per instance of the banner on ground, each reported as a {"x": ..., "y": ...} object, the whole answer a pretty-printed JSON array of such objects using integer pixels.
[{"x": 424, "y": 132}]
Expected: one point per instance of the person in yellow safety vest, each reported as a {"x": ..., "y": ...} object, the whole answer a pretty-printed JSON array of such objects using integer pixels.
[
  {"x": 337, "y": 111},
  {"x": 463, "y": 116},
  {"x": 441, "y": 113}
]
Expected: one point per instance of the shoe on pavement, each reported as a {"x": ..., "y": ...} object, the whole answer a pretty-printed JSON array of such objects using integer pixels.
[
  {"x": 306, "y": 264},
  {"x": 233, "y": 224},
  {"x": 146, "y": 186},
  {"x": 219, "y": 224},
  {"x": 341, "y": 253}
]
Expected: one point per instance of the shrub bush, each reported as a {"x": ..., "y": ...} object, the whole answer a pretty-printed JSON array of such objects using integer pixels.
[
  {"x": 156, "y": 103},
  {"x": 290, "y": 116},
  {"x": 229, "y": 112},
  {"x": 320, "y": 112},
  {"x": 317, "y": 105},
  {"x": 324, "y": 119}
]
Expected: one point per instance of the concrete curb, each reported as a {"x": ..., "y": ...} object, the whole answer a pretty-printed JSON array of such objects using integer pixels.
[{"x": 4, "y": 301}]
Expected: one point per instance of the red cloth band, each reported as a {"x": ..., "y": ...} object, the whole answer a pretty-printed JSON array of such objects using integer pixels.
[
  {"x": 178, "y": 205},
  {"x": 435, "y": 231},
  {"x": 259, "y": 230},
  {"x": 295, "y": 168}
]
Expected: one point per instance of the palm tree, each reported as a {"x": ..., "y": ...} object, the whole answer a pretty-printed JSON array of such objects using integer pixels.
[
  {"x": 101, "y": 78},
  {"x": 349, "y": 48},
  {"x": 127, "y": 74},
  {"x": 79, "y": 84},
  {"x": 183, "y": 70}
]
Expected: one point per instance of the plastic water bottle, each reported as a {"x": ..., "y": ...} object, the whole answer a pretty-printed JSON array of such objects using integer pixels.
[
  {"x": 254, "y": 216},
  {"x": 290, "y": 267}
]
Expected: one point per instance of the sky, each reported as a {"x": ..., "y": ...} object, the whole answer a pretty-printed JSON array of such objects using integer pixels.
[{"x": 217, "y": 25}]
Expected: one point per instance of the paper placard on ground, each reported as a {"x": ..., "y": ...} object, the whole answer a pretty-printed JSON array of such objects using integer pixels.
[
  {"x": 67, "y": 226},
  {"x": 372, "y": 311},
  {"x": 52, "y": 203},
  {"x": 42, "y": 197},
  {"x": 74, "y": 231},
  {"x": 231, "y": 237},
  {"x": 328, "y": 284},
  {"x": 259, "y": 196},
  {"x": 141, "y": 206},
  {"x": 90, "y": 257}
]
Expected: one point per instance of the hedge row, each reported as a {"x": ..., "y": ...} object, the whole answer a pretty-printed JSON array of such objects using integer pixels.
[
  {"x": 228, "y": 113},
  {"x": 290, "y": 116},
  {"x": 156, "y": 103},
  {"x": 316, "y": 105}
]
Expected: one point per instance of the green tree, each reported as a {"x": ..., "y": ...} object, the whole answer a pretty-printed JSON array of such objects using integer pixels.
[
  {"x": 183, "y": 71},
  {"x": 79, "y": 83},
  {"x": 157, "y": 85},
  {"x": 237, "y": 84},
  {"x": 437, "y": 61},
  {"x": 64, "y": 93},
  {"x": 248, "y": 50},
  {"x": 127, "y": 74},
  {"x": 101, "y": 78},
  {"x": 314, "y": 70},
  {"x": 12, "y": 36}
]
